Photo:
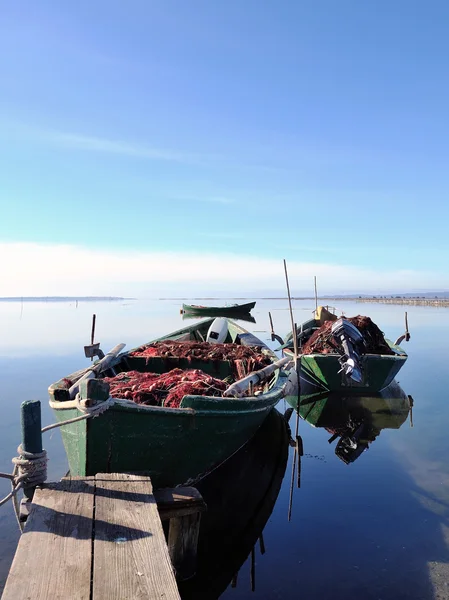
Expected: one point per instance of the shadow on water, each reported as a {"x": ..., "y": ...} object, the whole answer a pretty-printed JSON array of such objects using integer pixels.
[{"x": 240, "y": 497}]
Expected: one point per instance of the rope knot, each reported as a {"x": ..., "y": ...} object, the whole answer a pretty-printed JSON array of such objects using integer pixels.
[
  {"x": 96, "y": 409},
  {"x": 30, "y": 467}
]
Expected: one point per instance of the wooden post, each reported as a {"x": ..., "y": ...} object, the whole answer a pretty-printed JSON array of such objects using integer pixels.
[
  {"x": 30, "y": 416},
  {"x": 31, "y": 431},
  {"x": 183, "y": 543},
  {"x": 411, "y": 409},
  {"x": 316, "y": 295},
  {"x": 262, "y": 544},
  {"x": 92, "y": 335}
]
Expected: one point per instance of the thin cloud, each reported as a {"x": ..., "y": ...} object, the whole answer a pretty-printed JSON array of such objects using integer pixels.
[
  {"x": 90, "y": 143},
  {"x": 46, "y": 269},
  {"x": 209, "y": 199},
  {"x": 104, "y": 145}
]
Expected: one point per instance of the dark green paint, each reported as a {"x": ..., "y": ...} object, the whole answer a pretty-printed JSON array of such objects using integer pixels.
[
  {"x": 31, "y": 426},
  {"x": 222, "y": 311}
]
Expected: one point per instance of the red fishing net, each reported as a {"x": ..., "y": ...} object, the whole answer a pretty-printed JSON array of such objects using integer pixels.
[
  {"x": 243, "y": 359},
  {"x": 166, "y": 389},
  {"x": 323, "y": 342}
]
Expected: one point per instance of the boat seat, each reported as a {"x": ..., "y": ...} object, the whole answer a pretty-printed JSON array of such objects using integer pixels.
[{"x": 247, "y": 339}]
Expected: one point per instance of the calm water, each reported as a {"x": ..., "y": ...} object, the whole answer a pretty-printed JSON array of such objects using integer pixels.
[{"x": 375, "y": 529}]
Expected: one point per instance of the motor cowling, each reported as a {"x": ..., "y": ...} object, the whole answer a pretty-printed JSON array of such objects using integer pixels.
[
  {"x": 217, "y": 331},
  {"x": 352, "y": 344}
]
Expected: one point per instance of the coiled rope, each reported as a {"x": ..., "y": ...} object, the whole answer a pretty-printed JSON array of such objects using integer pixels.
[{"x": 30, "y": 468}]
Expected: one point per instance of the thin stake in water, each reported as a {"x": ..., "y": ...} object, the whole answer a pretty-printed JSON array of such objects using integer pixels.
[
  {"x": 92, "y": 335},
  {"x": 295, "y": 341}
]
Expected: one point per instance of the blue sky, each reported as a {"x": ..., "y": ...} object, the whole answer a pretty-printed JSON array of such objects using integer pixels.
[{"x": 242, "y": 131}]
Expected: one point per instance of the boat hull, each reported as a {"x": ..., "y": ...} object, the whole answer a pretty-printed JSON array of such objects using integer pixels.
[
  {"x": 323, "y": 371},
  {"x": 173, "y": 446},
  {"x": 219, "y": 311}
]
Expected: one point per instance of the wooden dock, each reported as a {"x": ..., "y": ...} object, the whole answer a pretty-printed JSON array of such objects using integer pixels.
[{"x": 101, "y": 538}]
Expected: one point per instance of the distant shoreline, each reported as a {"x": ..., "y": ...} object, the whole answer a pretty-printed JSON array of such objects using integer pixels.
[
  {"x": 414, "y": 301},
  {"x": 63, "y": 299},
  {"x": 411, "y": 301}
]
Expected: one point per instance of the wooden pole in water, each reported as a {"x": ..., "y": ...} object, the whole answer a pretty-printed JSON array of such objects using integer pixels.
[
  {"x": 92, "y": 335},
  {"x": 298, "y": 438},
  {"x": 290, "y": 503},
  {"x": 407, "y": 333},
  {"x": 253, "y": 570},
  {"x": 316, "y": 295},
  {"x": 295, "y": 340},
  {"x": 411, "y": 409},
  {"x": 271, "y": 322},
  {"x": 30, "y": 416},
  {"x": 262, "y": 544}
]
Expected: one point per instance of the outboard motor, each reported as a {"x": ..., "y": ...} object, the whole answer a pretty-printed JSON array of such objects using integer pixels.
[
  {"x": 217, "y": 331},
  {"x": 351, "y": 340}
]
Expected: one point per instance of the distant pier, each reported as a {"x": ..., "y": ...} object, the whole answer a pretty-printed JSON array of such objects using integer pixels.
[{"x": 442, "y": 302}]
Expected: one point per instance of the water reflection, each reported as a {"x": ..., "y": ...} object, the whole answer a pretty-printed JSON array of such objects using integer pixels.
[
  {"x": 354, "y": 421},
  {"x": 240, "y": 497}
]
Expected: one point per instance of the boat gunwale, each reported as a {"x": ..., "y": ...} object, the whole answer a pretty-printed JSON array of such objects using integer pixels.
[
  {"x": 118, "y": 406},
  {"x": 401, "y": 356}
]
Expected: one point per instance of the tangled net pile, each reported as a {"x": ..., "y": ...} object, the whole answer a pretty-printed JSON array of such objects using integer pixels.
[
  {"x": 243, "y": 359},
  {"x": 167, "y": 390},
  {"x": 323, "y": 342}
]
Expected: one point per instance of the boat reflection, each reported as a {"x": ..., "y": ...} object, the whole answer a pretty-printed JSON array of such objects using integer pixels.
[
  {"x": 240, "y": 496},
  {"x": 235, "y": 316},
  {"x": 355, "y": 421}
]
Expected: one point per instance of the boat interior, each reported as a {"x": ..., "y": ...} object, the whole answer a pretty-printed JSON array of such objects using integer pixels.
[{"x": 211, "y": 332}]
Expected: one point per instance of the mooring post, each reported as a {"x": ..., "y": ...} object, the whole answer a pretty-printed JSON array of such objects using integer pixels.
[
  {"x": 183, "y": 543},
  {"x": 31, "y": 442}
]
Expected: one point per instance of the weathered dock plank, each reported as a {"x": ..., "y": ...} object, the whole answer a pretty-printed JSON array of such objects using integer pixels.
[
  {"x": 131, "y": 558},
  {"x": 94, "y": 539},
  {"x": 54, "y": 555}
]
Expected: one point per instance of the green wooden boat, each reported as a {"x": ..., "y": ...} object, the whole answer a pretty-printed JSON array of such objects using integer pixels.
[
  {"x": 354, "y": 421},
  {"x": 324, "y": 371},
  {"x": 174, "y": 445},
  {"x": 217, "y": 311}
]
